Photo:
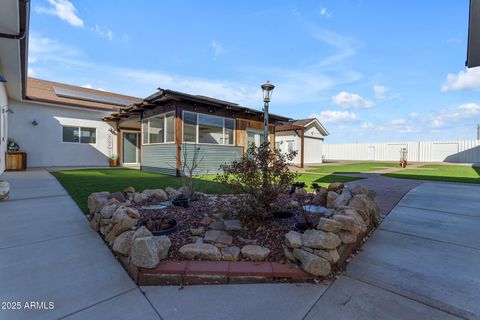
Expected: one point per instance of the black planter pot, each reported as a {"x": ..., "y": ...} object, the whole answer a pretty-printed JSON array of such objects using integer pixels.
[
  {"x": 164, "y": 231},
  {"x": 282, "y": 214},
  {"x": 181, "y": 202},
  {"x": 302, "y": 226}
]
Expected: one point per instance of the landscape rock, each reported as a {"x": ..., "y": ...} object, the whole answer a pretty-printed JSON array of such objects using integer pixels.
[
  {"x": 318, "y": 239},
  {"x": 359, "y": 189},
  {"x": 232, "y": 225},
  {"x": 312, "y": 263},
  {"x": 123, "y": 243},
  {"x": 108, "y": 210},
  {"x": 133, "y": 213},
  {"x": 231, "y": 253},
  {"x": 288, "y": 254},
  {"x": 246, "y": 241},
  {"x": 366, "y": 207},
  {"x": 329, "y": 225},
  {"x": 96, "y": 201},
  {"x": 172, "y": 193},
  {"x": 343, "y": 198},
  {"x": 197, "y": 231},
  {"x": 347, "y": 236},
  {"x": 138, "y": 197},
  {"x": 95, "y": 221},
  {"x": 145, "y": 253},
  {"x": 336, "y": 186},
  {"x": 163, "y": 244},
  {"x": 293, "y": 239},
  {"x": 218, "y": 236},
  {"x": 120, "y": 227},
  {"x": 157, "y": 194},
  {"x": 348, "y": 222},
  {"x": 217, "y": 225},
  {"x": 206, "y": 221},
  {"x": 254, "y": 252},
  {"x": 129, "y": 189},
  {"x": 202, "y": 251},
  {"x": 293, "y": 204},
  {"x": 119, "y": 196},
  {"x": 360, "y": 224},
  {"x": 319, "y": 200},
  {"x": 331, "y": 197},
  {"x": 331, "y": 256},
  {"x": 185, "y": 191},
  {"x": 141, "y": 233},
  {"x": 322, "y": 191}
]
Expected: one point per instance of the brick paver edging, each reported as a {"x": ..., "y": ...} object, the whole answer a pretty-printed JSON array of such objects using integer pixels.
[{"x": 219, "y": 272}]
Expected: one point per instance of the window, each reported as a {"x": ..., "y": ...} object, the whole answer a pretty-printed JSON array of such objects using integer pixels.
[
  {"x": 204, "y": 128},
  {"x": 290, "y": 144},
  {"x": 159, "y": 129},
  {"x": 79, "y": 134}
]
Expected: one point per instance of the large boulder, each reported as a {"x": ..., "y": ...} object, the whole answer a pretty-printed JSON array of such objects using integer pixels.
[
  {"x": 293, "y": 239},
  {"x": 322, "y": 191},
  {"x": 123, "y": 243},
  {"x": 359, "y": 189},
  {"x": 348, "y": 222},
  {"x": 254, "y": 252},
  {"x": 331, "y": 256},
  {"x": 145, "y": 253},
  {"x": 108, "y": 210},
  {"x": 97, "y": 200},
  {"x": 317, "y": 239},
  {"x": 347, "y": 236},
  {"x": 319, "y": 200},
  {"x": 336, "y": 186},
  {"x": 172, "y": 193},
  {"x": 142, "y": 232},
  {"x": 366, "y": 207},
  {"x": 331, "y": 197},
  {"x": 157, "y": 194},
  {"x": 329, "y": 225},
  {"x": 203, "y": 251},
  {"x": 360, "y": 224},
  {"x": 312, "y": 263},
  {"x": 343, "y": 198},
  {"x": 163, "y": 244}
]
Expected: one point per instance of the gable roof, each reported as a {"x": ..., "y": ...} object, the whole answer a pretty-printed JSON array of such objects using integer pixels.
[
  {"x": 75, "y": 96},
  {"x": 301, "y": 124}
]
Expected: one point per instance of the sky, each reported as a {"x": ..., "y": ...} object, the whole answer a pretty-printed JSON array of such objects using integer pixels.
[{"x": 370, "y": 71}]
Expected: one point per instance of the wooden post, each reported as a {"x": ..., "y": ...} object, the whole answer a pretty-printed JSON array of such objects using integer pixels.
[
  {"x": 178, "y": 139},
  {"x": 119, "y": 142},
  {"x": 302, "y": 154}
]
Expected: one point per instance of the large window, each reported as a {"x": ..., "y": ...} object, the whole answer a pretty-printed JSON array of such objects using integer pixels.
[
  {"x": 203, "y": 128},
  {"x": 79, "y": 134},
  {"x": 159, "y": 129}
]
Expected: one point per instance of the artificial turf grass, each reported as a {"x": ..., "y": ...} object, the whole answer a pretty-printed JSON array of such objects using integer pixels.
[
  {"x": 438, "y": 172},
  {"x": 81, "y": 183},
  {"x": 353, "y": 167}
]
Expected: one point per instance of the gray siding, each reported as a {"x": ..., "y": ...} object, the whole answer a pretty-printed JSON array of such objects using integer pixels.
[
  {"x": 159, "y": 158},
  {"x": 212, "y": 156}
]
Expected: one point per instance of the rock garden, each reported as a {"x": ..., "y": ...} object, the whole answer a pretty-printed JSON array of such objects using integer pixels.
[{"x": 269, "y": 223}]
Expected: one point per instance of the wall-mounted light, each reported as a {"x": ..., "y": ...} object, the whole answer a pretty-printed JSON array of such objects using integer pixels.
[
  {"x": 2, "y": 78},
  {"x": 34, "y": 123},
  {"x": 8, "y": 110}
]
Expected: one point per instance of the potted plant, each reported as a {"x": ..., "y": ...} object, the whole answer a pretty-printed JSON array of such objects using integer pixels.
[
  {"x": 112, "y": 160},
  {"x": 12, "y": 146}
]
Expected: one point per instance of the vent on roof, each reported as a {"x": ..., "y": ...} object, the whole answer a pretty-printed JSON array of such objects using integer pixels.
[{"x": 87, "y": 96}]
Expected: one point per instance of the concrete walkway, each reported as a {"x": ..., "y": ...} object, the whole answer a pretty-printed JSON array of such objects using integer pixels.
[{"x": 422, "y": 263}]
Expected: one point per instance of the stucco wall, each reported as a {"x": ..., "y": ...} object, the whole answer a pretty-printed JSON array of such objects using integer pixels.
[
  {"x": 313, "y": 146},
  {"x": 313, "y": 150},
  {"x": 43, "y": 142},
  {"x": 3, "y": 125}
]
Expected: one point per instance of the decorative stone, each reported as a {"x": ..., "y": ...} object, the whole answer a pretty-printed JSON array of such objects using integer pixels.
[
  {"x": 246, "y": 241},
  {"x": 145, "y": 253},
  {"x": 233, "y": 225},
  {"x": 343, "y": 198},
  {"x": 348, "y": 223},
  {"x": 218, "y": 215},
  {"x": 120, "y": 227},
  {"x": 108, "y": 210},
  {"x": 322, "y": 191},
  {"x": 360, "y": 224},
  {"x": 359, "y": 189},
  {"x": 141, "y": 233},
  {"x": 164, "y": 244},
  {"x": 366, "y": 207},
  {"x": 331, "y": 256},
  {"x": 254, "y": 252},
  {"x": 288, "y": 254},
  {"x": 231, "y": 253},
  {"x": 123, "y": 243},
  {"x": 97, "y": 200},
  {"x": 331, "y": 197},
  {"x": 318, "y": 239},
  {"x": 329, "y": 225},
  {"x": 129, "y": 189},
  {"x": 293, "y": 239},
  {"x": 307, "y": 249},
  {"x": 133, "y": 213},
  {"x": 218, "y": 236},
  {"x": 217, "y": 225},
  {"x": 172, "y": 193},
  {"x": 158, "y": 194},
  {"x": 185, "y": 191},
  {"x": 197, "y": 231},
  {"x": 137, "y": 197},
  {"x": 119, "y": 196},
  {"x": 206, "y": 221},
  {"x": 336, "y": 186},
  {"x": 319, "y": 200},
  {"x": 312, "y": 263},
  {"x": 202, "y": 251},
  {"x": 95, "y": 221},
  {"x": 347, "y": 236}
]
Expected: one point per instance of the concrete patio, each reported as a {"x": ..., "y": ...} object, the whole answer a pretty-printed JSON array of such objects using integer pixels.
[{"x": 422, "y": 263}]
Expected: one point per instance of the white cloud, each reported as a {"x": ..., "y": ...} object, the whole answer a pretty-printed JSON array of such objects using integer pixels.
[
  {"x": 103, "y": 32},
  {"x": 380, "y": 91},
  {"x": 329, "y": 116},
  {"x": 398, "y": 121},
  {"x": 89, "y": 86},
  {"x": 351, "y": 100},
  {"x": 324, "y": 12},
  {"x": 465, "y": 79},
  {"x": 367, "y": 125},
  {"x": 217, "y": 48},
  {"x": 413, "y": 114},
  {"x": 454, "y": 115},
  {"x": 63, "y": 9},
  {"x": 31, "y": 72}
]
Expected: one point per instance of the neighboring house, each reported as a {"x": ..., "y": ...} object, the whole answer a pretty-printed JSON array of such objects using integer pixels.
[
  {"x": 168, "y": 125},
  {"x": 304, "y": 136}
]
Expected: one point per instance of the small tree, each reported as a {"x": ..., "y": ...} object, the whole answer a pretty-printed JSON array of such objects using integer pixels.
[
  {"x": 263, "y": 175},
  {"x": 189, "y": 161}
]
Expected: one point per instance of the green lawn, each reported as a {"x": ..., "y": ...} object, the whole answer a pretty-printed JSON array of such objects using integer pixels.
[
  {"x": 81, "y": 183},
  {"x": 438, "y": 172},
  {"x": 353, "y": 167}
]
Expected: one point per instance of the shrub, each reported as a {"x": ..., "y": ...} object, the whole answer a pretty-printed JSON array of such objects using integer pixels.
[{"x": 262, "y": 174}]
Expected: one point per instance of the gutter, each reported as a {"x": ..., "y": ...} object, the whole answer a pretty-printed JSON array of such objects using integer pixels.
[{"x": 22, "y": 17}]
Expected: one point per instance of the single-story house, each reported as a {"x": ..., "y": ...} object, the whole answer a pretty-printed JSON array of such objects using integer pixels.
[{"x": 304, "y": 136}]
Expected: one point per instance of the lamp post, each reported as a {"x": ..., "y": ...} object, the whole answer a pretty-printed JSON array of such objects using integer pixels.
[{"x": 267, "y": 89}]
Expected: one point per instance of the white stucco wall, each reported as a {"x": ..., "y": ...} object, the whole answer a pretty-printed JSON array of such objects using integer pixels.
[
  {"x": 3, "y": 125},
  {"x": 312, "y": 143},
  {"x": 43, "y": 143},
  {"x": 313, "y": 150},
  {"x": 284, "y": 137}
]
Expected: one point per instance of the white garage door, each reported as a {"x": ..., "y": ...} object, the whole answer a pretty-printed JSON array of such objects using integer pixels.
[
  {"x": 393, "y": 151},
  {"x": 441, "y": 151}
]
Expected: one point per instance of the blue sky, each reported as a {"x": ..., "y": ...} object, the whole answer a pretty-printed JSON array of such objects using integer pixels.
[{"x": 369, "y": 70}]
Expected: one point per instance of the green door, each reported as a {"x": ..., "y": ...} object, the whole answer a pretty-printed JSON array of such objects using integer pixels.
[{"x": 130, "y": 147}]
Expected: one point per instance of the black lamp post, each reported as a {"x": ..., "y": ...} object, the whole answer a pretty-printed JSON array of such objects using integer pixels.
[{"x": 267, "y": 89}]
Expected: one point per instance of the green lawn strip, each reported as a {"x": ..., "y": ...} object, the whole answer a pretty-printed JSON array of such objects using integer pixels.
[
  {"x": 323, "y": 180},
  {"x": 353, "y": 167},
  {"x": 449, "y": 173}
]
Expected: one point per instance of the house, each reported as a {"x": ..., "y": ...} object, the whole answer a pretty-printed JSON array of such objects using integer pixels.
[
  {"x": 167, "y": 128},
  {"x": 304, "y": 136}
]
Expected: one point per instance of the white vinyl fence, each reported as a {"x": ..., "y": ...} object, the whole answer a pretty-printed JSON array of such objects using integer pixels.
[{"x": 465, "y": 151}]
